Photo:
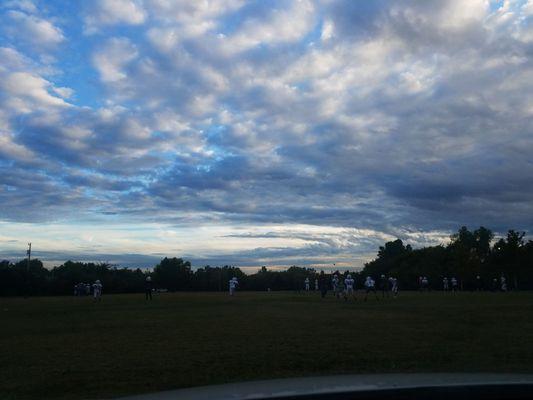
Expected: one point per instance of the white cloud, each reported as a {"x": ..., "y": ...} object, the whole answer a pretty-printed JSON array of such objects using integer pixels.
[
  {"x": 10, "y": 149},
  {"x": 27, "y": 91},
  {"x": 114, "y": 12},
  {"x": 63, "y": 92},
  {"x": 527, "y": 8},
  {"x": 164, "y": 40},
  {"x": 11, "y": 60},
  {"x": 280, "y": 26},
  {"x": 191, "y": 12},
  {"x": 458, "y": 14},
  {"x": 111, "y": 59},
  {"x": 328, "y": 30},
  {"x": 24, "y": 5},
  {"x": 34, "y": 30}
]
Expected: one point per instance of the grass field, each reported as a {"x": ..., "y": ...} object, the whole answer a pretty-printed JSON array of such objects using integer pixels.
[{"x": 64, "y": 347}]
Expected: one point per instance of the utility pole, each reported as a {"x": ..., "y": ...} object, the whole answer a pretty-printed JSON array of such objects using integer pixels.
[{"x": 28, "y": 252}]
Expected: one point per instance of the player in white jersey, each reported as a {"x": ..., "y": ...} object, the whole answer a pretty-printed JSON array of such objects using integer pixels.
[
  {"x": 425, "y": 284},
  {"x": 97, "y": 290},
  {"x": 348, "y": 287},
  {"x": 370, "y": 286},
  {"x": 503, "y": 284},
  {"x": 306, "y": 284},
  {"x": 335, "y": 285},
  {"x": 454, "y": 284},
  {"x": 445, "y": 284},
  {"x": 394, "y": 286},
  {"x": 233, "y": 283}
]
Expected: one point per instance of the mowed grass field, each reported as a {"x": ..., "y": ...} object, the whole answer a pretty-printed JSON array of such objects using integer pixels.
[{"x": 66, "y": 347}]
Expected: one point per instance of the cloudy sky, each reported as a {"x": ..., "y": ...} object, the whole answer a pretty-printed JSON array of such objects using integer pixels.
[{"x": 261, "y": 132}]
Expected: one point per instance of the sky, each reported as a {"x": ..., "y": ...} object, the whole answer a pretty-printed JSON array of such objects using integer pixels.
[{"x": 261, "y": 132}]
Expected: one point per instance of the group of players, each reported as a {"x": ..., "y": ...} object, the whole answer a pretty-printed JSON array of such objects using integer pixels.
[
  {"x": 345, "y": 287},
  {"x": 84, "y": 289},
  {"x": 452, "y": 284},
  {"x": 341, "y": 287}
]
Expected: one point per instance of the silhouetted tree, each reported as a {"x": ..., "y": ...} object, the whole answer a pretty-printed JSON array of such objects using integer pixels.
[{"x": 173, "y": 274}]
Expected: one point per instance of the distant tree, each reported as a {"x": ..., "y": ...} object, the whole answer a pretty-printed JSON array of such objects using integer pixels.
[
  {"x": 464, "y": 256},
  {"x": 173, "y": 274},
  {"x": 392, "y": 249},
  {"x": 295, "y": 277},
  {"x": 34, "y": 278},
  {"x": 513, "y": 256},
  {"x": 388, "y": 257},
  {"x": 11, "y": 281},
  {"x": 468, "y": 254},
  {"x": 215, "y": 278},
  {"x": 482, "y": 239}
]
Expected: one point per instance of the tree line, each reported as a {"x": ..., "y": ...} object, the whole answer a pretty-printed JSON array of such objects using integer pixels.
[
  {"x": 172, "y": 274},
  {"x": 468, "y": 254}
]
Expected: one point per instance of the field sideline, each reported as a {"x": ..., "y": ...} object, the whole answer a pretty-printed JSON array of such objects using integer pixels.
[{"x": 66, "y": 347}]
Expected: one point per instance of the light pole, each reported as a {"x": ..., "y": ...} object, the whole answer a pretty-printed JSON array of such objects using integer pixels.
[{"x": 28, "y": 252}]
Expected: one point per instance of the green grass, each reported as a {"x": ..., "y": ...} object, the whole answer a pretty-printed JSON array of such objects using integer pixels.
[{"x": 64, "y": 347}]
